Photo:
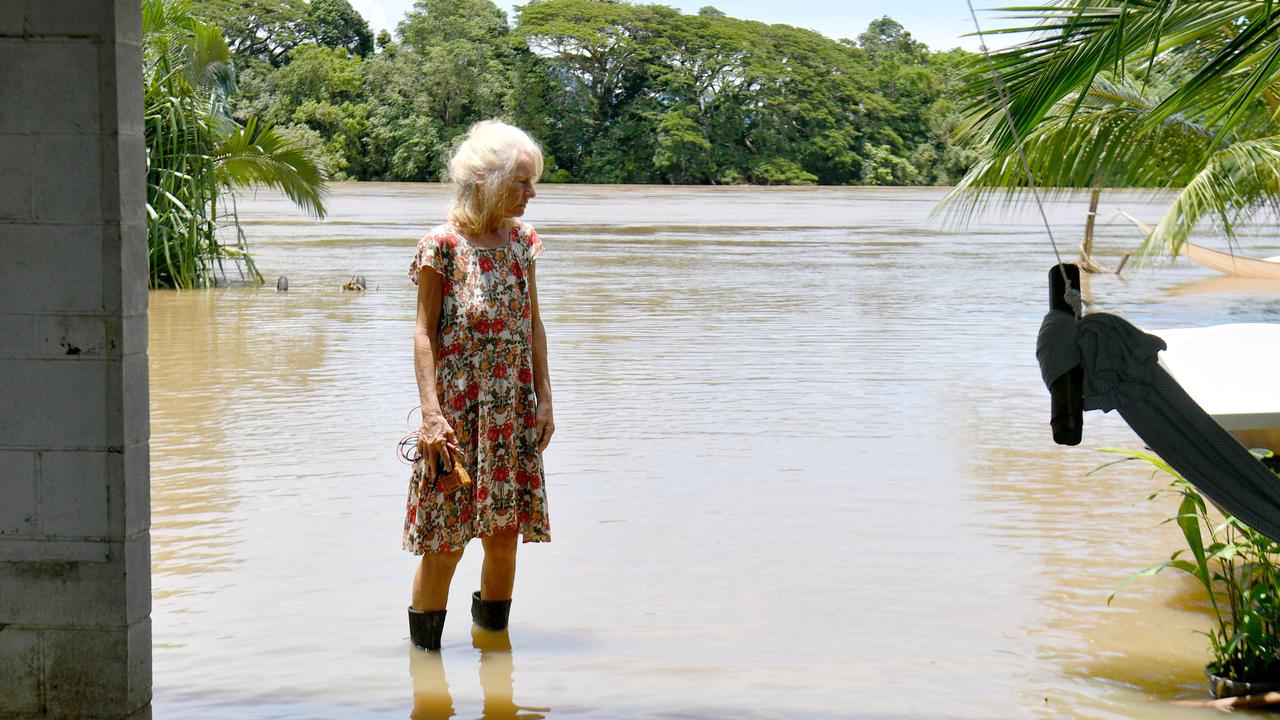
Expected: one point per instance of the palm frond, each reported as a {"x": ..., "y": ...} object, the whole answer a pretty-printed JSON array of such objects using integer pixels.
[
  {"x": 1237, "y": 182},
  {"x": 260, "y": 154},
  {"x": 1075, "y": 41},
  {"x": 1102, "y": 139}
]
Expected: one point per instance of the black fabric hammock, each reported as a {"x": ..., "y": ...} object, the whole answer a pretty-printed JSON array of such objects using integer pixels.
[{"x": 1120, "y": 372}]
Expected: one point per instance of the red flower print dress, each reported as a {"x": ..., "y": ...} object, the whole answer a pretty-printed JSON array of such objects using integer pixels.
[{"x": 484, "y": 381}]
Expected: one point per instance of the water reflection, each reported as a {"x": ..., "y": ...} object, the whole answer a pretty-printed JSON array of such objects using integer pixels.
[
  {"x": 432, "y": 699},
  {"x": 1255, "y": 288}
]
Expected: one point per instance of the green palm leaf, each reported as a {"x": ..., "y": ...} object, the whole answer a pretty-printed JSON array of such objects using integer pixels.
[
  {"x": 259, "y": 154},
  {"x": 1236, "y": 183}
]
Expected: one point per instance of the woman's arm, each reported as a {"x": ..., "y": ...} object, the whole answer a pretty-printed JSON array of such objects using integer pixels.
[
  {"x": 541, "y": 376},
  {"x": 436, "y": 431}
]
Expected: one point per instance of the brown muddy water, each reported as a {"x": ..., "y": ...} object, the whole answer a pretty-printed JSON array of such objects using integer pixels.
[{"x": 803, "y": 470}]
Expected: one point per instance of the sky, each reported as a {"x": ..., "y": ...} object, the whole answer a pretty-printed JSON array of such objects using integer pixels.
[{"x": 937, "y": 23}]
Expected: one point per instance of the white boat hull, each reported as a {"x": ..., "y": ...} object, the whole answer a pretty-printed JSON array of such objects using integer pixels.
[{"x": 1229, "y": 370}]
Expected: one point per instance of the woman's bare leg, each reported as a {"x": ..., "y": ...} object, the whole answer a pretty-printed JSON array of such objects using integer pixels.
[
  {"x": 431, "y": 582},
  {"x": 498, "y": 574}
]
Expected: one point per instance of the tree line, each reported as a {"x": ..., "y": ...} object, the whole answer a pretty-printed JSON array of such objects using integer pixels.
[{"x": 615, "y": 92}]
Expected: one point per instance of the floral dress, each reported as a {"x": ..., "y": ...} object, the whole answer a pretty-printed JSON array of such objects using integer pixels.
[{"x": 484, "y": 381}]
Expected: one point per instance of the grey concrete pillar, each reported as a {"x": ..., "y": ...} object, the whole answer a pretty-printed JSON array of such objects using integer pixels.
[{"x": 75, "y": 586}]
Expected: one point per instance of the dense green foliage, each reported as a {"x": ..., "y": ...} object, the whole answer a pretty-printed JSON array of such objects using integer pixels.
[
  {"x": 615, "y": 92},
  {"x": 196, "y": 152},
  {"x": 1116, "y": 93},
  {"x": 269, "y": 29}
]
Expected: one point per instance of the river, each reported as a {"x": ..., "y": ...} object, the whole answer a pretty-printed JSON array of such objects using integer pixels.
[{"x": 802, "y": 469}]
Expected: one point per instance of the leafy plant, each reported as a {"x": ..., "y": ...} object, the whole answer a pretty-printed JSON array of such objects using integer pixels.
[
  {"x": 197, "y": 154},
  {"x": 1239, "y": 569}
]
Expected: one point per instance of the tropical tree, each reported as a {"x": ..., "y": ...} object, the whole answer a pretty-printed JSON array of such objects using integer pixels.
[
  {"x": 334, "y": 23},
  {"x": 615, "y": 91},
  {"x": 1076, "y": 99},
  {"x": 265, "y": 29},
  {"x": 196, "y": 153},
  {"x": 269, "y": 29}
]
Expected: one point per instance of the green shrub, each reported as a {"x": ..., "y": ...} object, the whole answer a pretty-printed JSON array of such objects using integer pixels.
[{"x": 1239, "y": 569}]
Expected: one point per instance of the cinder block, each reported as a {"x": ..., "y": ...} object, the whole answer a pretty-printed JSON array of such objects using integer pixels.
[
  {"x": 133, "y": 334},
  {"x": 134, "y": 270},
  {"x": 86, "y": 672},
  {"x": 125, "y": 114},
  {"x": 17, "y": 335},
  {"x": 128, "y": 180},
  {"x": 71, "y": 17},
  {"x": 135, "y": 424},
  {"x": 19, "y": 512},
  {"x": 64, "y": 336},
  {"x": 66, "y": 179},
  {"x": 137, "y": 488},
  {"x": 137, "y": 587},
  {"x": 58, "y": 404},
  {"x": 139, "y": 677},
  {"x": 64, "y": 594},
  {"x": 36, "y": 254},
  {"x": 15, "y": 176},
  {"x": 128, "y": 19},
  {"x": 74, "y": 490},
  {"x": 13, "y": 67},
  {"x": 60, "y": 82},
  {"x": 12, "y": 18},
  {"x": 22, "y": 550},
  {"x": 20, "y": 671},
  {"x": 125, "y": 270}
]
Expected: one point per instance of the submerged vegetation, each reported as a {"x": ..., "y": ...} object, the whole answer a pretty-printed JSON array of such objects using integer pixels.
[
  {"x": 1239, "y": 570},
  {"x": 196, "y": 152},
  {"x": 1175, "y": 94}
]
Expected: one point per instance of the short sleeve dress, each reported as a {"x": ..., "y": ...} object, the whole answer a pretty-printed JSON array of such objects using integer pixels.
[{"x": 484, "y": 381}]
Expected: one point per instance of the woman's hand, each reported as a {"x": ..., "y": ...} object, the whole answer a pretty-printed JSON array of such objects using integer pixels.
[
  {"x": 545, "y": 425},
  {"x": 435, "y": 437}
]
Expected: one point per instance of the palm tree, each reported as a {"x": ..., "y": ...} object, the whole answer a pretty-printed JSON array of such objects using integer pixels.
[
  {"x": 1082, "y": 94},
  {"x": 1094, "y": 141},
  {"x": 197, "y": 154}
]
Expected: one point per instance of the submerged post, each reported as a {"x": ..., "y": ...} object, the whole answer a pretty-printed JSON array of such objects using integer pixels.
[{"x": 75, "y": 588}]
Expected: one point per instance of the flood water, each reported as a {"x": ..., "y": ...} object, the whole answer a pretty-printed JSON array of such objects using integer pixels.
[{"x": 802, "y": 469}]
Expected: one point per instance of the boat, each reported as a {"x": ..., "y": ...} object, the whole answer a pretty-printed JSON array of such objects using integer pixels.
[
  {"x": 1229, "y": 371},
  {"x": 1229, "y": 263},
  {"x": 1232, "y": 264}
]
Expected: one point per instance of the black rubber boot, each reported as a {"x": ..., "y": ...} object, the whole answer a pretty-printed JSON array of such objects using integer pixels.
[
  {"x": 489, "y": 614},
  {"x": 425, "y": 628}
]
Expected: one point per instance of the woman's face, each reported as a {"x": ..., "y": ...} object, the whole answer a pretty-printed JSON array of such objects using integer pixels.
[{"x": 521, "y": 191}]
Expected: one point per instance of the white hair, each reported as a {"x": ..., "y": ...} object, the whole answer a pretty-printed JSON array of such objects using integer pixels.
[{"x": 482, "y": 169}]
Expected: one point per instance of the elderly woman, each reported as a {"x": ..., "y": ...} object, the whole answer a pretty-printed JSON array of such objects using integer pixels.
[{"x": 480, "y": 353}]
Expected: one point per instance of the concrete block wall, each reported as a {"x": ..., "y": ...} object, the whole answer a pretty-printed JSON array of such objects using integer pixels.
[{"x": 75, "y": 588}]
